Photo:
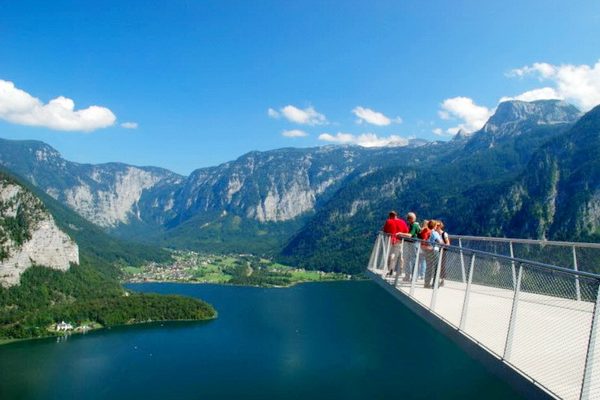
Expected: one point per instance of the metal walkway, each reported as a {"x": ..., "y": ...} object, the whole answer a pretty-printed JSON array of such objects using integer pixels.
[{"x": 539, "y": 319}]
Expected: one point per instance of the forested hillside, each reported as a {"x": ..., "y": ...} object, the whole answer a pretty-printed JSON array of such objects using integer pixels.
[{"x": 89, "y": 292}]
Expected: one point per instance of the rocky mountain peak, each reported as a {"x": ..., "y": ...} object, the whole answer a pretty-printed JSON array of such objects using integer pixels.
[
  {"x": 510, "y": 114},
  {"x": 462, "y": 135},
  {"x": 417, "y": 142}
]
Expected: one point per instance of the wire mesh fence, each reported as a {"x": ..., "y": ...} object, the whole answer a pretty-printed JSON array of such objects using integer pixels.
[
  {"x": 538, "y": 318},
  {"x": 572, "y": 255}
]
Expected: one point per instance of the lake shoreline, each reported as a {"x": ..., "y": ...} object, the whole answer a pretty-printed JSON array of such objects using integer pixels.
[
  {"x": 109, "y": 327},
  {"x": 292, "y": 284},
  {"x": 141, "y": 323}
]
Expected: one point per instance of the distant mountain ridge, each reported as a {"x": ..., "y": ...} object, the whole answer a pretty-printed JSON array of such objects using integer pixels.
[
  {"x": 266, "y": 194},
  {"x": 318, "y": 204}
]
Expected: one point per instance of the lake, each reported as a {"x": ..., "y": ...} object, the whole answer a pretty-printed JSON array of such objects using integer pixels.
[{"x": 347, "y": 340}]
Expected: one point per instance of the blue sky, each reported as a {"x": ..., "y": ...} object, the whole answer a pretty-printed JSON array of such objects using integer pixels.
[{"x": 199, "y": 77}]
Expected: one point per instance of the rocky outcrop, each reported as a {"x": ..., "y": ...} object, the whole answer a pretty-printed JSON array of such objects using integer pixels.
[
  {"x": 109, "y": 200},
  {"x": 29, "y": 236},
  {"x": 510, "y": 115},
  {"x": 274, "y": 186}
]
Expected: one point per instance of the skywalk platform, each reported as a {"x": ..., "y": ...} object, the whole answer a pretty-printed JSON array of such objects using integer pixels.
[{"x": 538, "y": 322}]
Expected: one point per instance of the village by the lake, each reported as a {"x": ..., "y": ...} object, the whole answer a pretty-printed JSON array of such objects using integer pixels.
[{"x": 235, "y": 269}]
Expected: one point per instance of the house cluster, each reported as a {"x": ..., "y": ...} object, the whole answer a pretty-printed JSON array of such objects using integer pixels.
[{"x": 63, "y": 327}]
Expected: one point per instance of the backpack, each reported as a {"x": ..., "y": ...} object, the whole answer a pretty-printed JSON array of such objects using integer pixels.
[{"x": 445, "y": 237}]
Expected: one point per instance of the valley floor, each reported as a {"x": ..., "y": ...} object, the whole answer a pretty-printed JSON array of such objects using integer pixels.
[{"x": 235, "y": 269}]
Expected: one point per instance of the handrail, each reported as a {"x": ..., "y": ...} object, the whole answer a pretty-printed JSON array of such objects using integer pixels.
[
  {"x": 543, "y": 242},
  {"x": 503, "y": 257}
]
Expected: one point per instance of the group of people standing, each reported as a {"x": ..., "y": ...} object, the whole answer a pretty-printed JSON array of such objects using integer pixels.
[{"x": 430, "y": 233}]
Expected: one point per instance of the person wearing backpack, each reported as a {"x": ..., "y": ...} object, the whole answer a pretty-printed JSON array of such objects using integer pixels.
[
  {"x": 432, "y": 253},
  {"x": 424, "y": 247}
]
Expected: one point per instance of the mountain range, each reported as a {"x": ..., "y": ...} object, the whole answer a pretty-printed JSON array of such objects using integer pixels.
[
  {"x": 261, "y": 195},
  {"x": 531, "y": 171}
]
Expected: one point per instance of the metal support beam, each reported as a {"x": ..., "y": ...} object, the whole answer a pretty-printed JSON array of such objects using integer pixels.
[
  {"x": 591, "y": 378},
  {"x": 386, "y": 253},
  {"x": 576, "y": 268},
  {"x": 462, "y": 261},
  {"x": 512, "y": 263},
  {"x": 383, "y": 253},
  {"x": 513, "y": 318},
  {"x": 436, "y": 280},
  {"x": 465, "y": 307},
  {"x": 377, "y": 260},
  {"x": 415, "y": 270},
  {"x": 371, "y": 264}
]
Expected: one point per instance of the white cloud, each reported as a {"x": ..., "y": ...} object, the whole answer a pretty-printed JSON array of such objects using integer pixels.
[
  {"x": 544, "y": 69},
  {"x": 19, "y": 107},
  {"x": 306, "y": 116},
  {"x": 341, "y": 138},
  {"x": 294, "y": 133},
  {"x": 440, "y": 132},
  {"x": 129, "y": 125},
  {"x": 373, "y": 117},
  {"x": 471, "y": 115},
  {"x": 545, "y": 93},
  {"x": 365, "y": 139},
  {"x": 579, "y": 84}
]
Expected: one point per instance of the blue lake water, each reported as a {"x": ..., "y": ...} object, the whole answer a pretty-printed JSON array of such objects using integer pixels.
[{"x": 347, "y": 340}]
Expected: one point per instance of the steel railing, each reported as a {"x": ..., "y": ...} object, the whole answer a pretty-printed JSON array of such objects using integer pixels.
[
  {"x": 575, "y": 255},
  {"x": 538, "y": 318}
]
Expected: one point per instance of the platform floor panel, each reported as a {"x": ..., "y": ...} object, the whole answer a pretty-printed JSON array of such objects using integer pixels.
[{"x": 550, "y": 334}]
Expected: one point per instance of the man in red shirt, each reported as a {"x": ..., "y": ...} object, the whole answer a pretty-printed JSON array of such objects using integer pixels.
[{"x": 396, "y": 228}]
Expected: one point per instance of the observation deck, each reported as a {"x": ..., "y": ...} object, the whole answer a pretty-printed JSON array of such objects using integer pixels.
[{"x": 531, "y": 318}]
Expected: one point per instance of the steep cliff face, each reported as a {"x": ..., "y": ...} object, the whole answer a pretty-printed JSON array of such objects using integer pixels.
[
  {"x": 284, "y": 184},
  {"x": 29, "y": 236},
  {"x": 255, "y": 203},
  {"x": 110, "y": 194},
  {"x": 273, "y": 186}
]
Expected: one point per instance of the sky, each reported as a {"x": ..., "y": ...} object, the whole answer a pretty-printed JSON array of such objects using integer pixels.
[{"x": 189, "y": 84}]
